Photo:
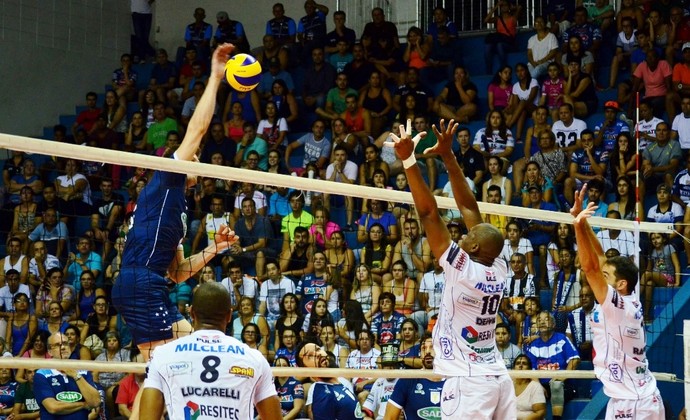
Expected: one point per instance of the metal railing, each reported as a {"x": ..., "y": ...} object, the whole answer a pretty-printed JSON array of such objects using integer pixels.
[{"x": 468, "y": 15}]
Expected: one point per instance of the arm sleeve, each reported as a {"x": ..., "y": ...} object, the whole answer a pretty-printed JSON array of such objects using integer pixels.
[
  {"x": 399, "y": 396},
  {"x": 265, "y": 387}
]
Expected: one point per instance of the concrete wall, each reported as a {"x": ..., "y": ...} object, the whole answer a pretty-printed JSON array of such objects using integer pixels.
[
  {"x": 170, "y": 20},
  {"x": 53, "y": 52}
]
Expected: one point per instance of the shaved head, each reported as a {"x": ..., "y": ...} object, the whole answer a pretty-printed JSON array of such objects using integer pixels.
[
  {"x": 211, "y": 304},
  {"x": 483, "y": 240}
]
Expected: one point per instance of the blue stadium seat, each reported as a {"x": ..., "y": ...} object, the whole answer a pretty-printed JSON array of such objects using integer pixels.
[
  {"x": 68, "y": 120},
  {"x": 662, "y": 296},
  {"x": 143, "y": 74},
  {"x": 351, "y": 238},
  {"x": 574, "y": 407},
  {"x": 545, "y": 297}
]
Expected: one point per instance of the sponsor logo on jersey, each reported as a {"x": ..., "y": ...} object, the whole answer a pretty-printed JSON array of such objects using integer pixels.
[
  {"x": 490, "y": 275},
  {"x": 68, "y": 396},
  {"x": 435, "y": 397},
  {"x": 209, "y": 348},
  {"x": 490, "y": 289},
  {"x": 209, "y": 339},
  {"x": 460, "y": 263},
  {"x": 469, "y": 334},
  {"x": 446, "y": 348},
  {"x": 469, "y": 300},
  {"x": 189, "y": 391},
  {"x": 179, "y": 368},
  {"x": 482, "y": 349},
  {"x": 242, "y": 371},
  {"x": 617, "y": 300},
  {"x": 419, "y": 389},
  {"x": 429, "y": 413},
  {"x": 595, "y": 317},
  {"x": 192, "y": 411},
  {"x": 623, "y": 414},
  {"x": 448, "y": 396},
  {"x": 615, "y": 373},
  {"x": 486, "y": 321},
  {"x": 631, "y": 332}
]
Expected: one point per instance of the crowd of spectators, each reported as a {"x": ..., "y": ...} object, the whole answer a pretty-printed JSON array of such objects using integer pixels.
[{"x": 357, "y": 275}]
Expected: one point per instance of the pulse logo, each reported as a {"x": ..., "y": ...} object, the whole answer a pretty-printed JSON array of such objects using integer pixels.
[
  {"x": 469, "y": 334},
  {"x": 191, "y": 411}
]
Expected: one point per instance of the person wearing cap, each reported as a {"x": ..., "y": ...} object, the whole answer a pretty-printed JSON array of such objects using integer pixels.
[
  {"x": 606, "y": 132},
  {"x": 230, "y": 31},
  {"x": 654, "y": 77},
  {"x": 406, "y": 395},
  {"x": 375, "y": 405}
]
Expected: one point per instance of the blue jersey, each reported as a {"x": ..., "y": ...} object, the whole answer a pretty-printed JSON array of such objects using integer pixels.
[
  {"x": 50, "y": 383},
  {"x": 333, "y": 402},
  {"x": 611, "y": 133},
  {"x": 288, "y": 354},
  {"x": 7, "y": 395},
  {"x": 309, "y": 289},
  {"x": 386, "y": 330},
  {"x": 418, "y": 398},
  {"x": 553, "y": 354},
  {"x": 290, "y": 391},
  {"x": 584, "y": 165},
  {"x": 158, "y": 224}
]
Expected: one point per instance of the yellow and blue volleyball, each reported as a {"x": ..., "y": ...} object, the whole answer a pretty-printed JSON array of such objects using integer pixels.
[{"x": 243, "y": 72}]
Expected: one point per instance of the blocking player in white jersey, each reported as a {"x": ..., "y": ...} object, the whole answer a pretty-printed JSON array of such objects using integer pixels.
[
  {"x": 464, "y": 339},
  {"x": 620, "y": 361},
  {"x": 209, "y": 375}
]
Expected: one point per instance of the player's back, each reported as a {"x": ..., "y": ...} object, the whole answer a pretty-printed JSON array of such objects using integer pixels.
[
  {"x": 619, "y": 342},
  {"x": 210, "y": 375},
  {"x": 158, "y": 223},
  {"x": 464, "y": 338}
]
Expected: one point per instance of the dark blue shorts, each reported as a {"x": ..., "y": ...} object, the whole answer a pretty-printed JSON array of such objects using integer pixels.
[{"x": 141, "y": 297}]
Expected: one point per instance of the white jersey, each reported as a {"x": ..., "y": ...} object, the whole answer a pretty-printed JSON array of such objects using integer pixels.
[
  {"x": 378, "y": 396},
  {"x": 648, "y": 127},
  {"x": 568, "y": 136},
  {"x": 681, "y": 125},
  {"x": 464, "y": 338},
  {"x": 208, "y": 375},
  {"x": 212, "y": 224},
  {"x": 620, "y": 360}
]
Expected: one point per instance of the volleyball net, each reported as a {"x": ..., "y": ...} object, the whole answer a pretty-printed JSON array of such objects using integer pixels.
[{"x": 532, "y": 233}]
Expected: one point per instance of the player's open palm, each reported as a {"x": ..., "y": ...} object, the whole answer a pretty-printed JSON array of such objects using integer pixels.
[
  {"x": 444, "y": 138},
  {"x": 405, "y": 144},
  {"x": 221, "y": 56}
]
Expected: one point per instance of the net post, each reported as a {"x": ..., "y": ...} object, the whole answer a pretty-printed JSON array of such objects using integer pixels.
[{"x": 686, "y": 364}]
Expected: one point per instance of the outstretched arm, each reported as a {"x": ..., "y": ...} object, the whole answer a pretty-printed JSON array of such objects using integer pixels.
[
  {"x": 589, "y": 248},
  {"x": 204, "y": 109},
  {"x": 464, "y": 197},
  {"x": 183, "y": 268},
  {"x": 424, "y": 201}
]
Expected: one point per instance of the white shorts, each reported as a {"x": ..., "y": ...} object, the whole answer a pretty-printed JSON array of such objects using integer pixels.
[
  {"x": 480, "y": 397},
  {"x": 650, "y": 408}
]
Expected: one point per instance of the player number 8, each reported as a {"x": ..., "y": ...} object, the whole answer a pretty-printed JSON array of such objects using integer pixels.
[{"x": 210, "y": 373}]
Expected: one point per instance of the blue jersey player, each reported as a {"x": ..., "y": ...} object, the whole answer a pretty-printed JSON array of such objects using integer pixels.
[
  {"x": 152, "y": 248},
  {"x": 328, "y": 398}
]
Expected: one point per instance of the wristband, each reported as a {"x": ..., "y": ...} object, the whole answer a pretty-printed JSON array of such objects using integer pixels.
[{"x": 410, "y": 161}]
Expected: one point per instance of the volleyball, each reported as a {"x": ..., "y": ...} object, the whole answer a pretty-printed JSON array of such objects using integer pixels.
[{"x": 243, "y": 72}]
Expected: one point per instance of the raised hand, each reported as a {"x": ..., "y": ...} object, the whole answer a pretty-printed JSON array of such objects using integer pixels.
[
  {"x": 444, "y": 138},
  {"x": 225, "y": 238},
  {"x": 220, "y": 56},
  {"x": 579, "y": 199},
  {"x": 405, "y": 145}
]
